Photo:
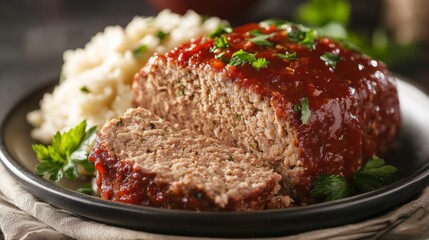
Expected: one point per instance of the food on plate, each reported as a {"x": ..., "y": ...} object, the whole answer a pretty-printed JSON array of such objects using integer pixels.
[
  {"x": 305, "y": 104},
  {"x": 142, "y": 159},
  {"x": 266, "y": 115},
  {"x": 96, "y": 81}
]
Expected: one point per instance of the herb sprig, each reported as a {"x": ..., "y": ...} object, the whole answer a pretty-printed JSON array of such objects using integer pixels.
[
  {"x": 304, "y": 109},
  {"x": 67, "y": 151},
  {"x": 374, "y": 174}
]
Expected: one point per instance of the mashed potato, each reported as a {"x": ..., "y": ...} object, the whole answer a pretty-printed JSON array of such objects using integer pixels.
[{"x": 96, "y": 81}]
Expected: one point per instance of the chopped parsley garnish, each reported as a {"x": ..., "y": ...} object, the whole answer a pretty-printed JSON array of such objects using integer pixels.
[
  {"x": 119, "y": 122},
  {"x": 304, "y": 109},
  {"x": 260, "y": 63},
  {"x": 330, "y": 187},
  {"x": 220, "y": 30},
  {"x": 220, "y": 42},
  {"x": 260, "y": 39},
  {"x": 181, "y": 91},
  {"x": 161, "y": 35},
  {"x": 287, "y": 55},
  {"x": 86, "y": 189},
  {"x": 67, "y": 151},
  {"x": 152, "y": 126},
  {"x": 303, "y": 36},
  {"x": 242, "y": 57},
  {"x": 137, "y": 52},
  {"x": 84, "y": 89},
  {"x": 348, "y": 45},
  {"x": 374, "y": 174},
  {"x": 221, "y": 56},
  {"x": 331, "y": 59}
]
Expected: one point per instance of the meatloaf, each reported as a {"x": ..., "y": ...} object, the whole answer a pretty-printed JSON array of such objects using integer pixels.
[
  {"x": 304, "y": 103},
  {"x": 142, "y": 159}
]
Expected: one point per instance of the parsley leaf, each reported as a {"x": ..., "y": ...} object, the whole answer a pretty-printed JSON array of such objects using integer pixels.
[
  {"x": 242, "y": 57},
  {"x": 67, "y": 151},
  {"x": 137, "y": 52},
  {"x": 331, "y": 59},
  {"x": 260, "y": 63},
  {"x": 221, "y": 56},
  {"x": 222, "y": 29},
  {"x": 347, "y": 44},
  {"x": 287, "y": 55},
  {"x": 303, "y": 36},
  {"x": 260, "y": 39},
  {"x": 330, "y": 187},
  {"x": 84, "y": 89},
  {"x": 161, "y": 35},
  {"x": 374, "y": 174},
  {"x": 220, "y": 42},
  {"x": 304, "y": 108}
]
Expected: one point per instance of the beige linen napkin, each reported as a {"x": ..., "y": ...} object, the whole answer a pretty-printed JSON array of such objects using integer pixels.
[{"x": 23, "y": 216}]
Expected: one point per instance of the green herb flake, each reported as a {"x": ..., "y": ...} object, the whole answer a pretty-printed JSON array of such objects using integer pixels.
[
  {"x": 220, "y": 30},
  {"x": 221, "y": 56},
  {"x": 220, "y": 42},
  {"x": 67, "y": 151},
  {"x": 152, "y": 126},
  {"x": 304, "y": 109},
  {"x": 119, "y": 122},
  {"x": 260, "y": 63},
  {"x": 374, "y": 174},
  {"x": 137, "y": 52},
  {"x": 242, "y": 57},
  {"x": 303, "y": 36},
  {"x": 181, "y": 91},
  {"x": 200, "y": 195},
  {"x": 330, "y": 187},
  {"x": 85, "y": 189},
  {"x": 161, "y": 35},
  {"x": 348, "y": 45},
  {"x": 287, "y": 55},
  {"x": 260, "y": 39},
  {"x": 330, "y": 59},
  {"x": 84, "y": 89}
]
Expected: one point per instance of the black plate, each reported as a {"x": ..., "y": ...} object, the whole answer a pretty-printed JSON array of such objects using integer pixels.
[{"x": 410, "y": 155}]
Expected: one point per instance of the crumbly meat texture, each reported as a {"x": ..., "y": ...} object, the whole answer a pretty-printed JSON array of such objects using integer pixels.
[
  {"x": 142, "y": 159},
  {"x": 353, "y": 102}
]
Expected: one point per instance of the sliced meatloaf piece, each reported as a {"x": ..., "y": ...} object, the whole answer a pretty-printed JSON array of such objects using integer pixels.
[
  {"x": 307, "y": 105},
  {"x": 142, "y": 159}
]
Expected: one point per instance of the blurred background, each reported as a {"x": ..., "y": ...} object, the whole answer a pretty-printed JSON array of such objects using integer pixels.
[{"x": 34, "y": 34}]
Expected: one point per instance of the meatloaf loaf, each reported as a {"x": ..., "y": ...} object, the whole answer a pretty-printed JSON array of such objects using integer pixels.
[
  {"x": 142, "y": 159},
  {"x": 306, "y": 104}
]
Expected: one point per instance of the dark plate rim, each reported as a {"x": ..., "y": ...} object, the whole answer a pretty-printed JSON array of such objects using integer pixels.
[{"x": 222, "y": 223}]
